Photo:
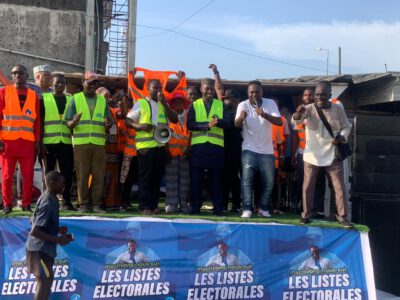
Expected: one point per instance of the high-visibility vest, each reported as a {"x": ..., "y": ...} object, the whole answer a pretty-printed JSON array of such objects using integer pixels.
[
  {"x": 146, "y": 139},
  {"x": 278, "y": 138},
  {"x": 162, "y": 76},
  {"x": 18, "y": 123},
  {"x": 301, "y": 131},
  {"x": 180, "y": 139},
  {"x": 90, "y": 129},
  {"x": 215, "y": 135},
  {"x": 55, "y": 127},
  {"x": 130, "y": 147}
]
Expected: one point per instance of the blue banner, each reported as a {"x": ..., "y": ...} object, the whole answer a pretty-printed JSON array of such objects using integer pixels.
[{"x": 193, "y": 260}]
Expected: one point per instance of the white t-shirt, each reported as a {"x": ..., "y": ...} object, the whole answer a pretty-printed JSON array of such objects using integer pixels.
[
  {"x": 257, "y": 131},
  {"x": 134, "y": 113}
]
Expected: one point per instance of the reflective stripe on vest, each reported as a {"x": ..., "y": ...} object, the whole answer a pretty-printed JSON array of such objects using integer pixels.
[
  {"x": 302, "y": 136},
  {"x": 278, "y": 136},
  {"x": 55, "y": 128},
  {"x": 146, "y": 139},
  {"x": 130, "y": 147},
  {"x": 215, "y": 135},
  {"x": 179, "y": 139},
  {"x": 18, "y": 123},
  {"x": 89, "y": 130}
]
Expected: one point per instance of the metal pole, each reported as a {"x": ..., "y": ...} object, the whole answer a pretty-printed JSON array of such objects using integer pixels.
[
  {"x": 340, "y": 60},
  {"x": 327, "y": 62},
  {"x": 89, "y": 50},
  {"x": 132, "y": 8}
]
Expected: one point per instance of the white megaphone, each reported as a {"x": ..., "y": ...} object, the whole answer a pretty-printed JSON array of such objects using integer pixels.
[{"x": 162, "y": 134}]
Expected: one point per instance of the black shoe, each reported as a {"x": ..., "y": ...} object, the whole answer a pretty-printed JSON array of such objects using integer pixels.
[
  {"x": 68, "y": 206},
  {"x": 218, "y": 213},
  {"x": 346, "y": 224},
  {"x": 7, "y": 209},
  {"x": 27, "y": 208},
  {"x": 194, "y": 212},
  {"x": 304, "y": 221},
  {"x": 236, "y": 210}
]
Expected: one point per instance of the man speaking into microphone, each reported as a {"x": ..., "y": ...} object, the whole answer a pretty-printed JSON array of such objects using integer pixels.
[{"x": 256, "y": 116}]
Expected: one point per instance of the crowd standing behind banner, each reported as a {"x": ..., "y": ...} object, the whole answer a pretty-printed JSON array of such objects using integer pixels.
[{"x": 220, "y": 147}]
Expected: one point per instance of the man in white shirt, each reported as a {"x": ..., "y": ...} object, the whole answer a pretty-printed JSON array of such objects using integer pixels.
[
  {"x": 256, "y": 115},
  {"x": 223, "y": 258},
  {"x": 131, "y": 256},
  {"x": 146, "y": 115},
  {"x": 316, "y": 262},
  {"x": 320, "y": 150}
]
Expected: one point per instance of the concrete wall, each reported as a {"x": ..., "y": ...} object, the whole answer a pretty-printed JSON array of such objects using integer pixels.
[{"x": 51, "y": 29}]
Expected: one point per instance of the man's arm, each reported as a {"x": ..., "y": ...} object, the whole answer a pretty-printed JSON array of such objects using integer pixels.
[
  {"x": 192, "y": 124},
  {"x": 133, "y": 117},
  {"x": 171, "y": 115},
  {"x": 227, "y": 120},
  {"x": 219, "y": 87},
  {"x": 40, "y": 234},
  {"x": 345, "y": 125},
  {"x": 241, "y": 115}
]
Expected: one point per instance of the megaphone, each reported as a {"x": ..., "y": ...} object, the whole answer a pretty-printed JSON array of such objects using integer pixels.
[{"x": 162, "y": 134}]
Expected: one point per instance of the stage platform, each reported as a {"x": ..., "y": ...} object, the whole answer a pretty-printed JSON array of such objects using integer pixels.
[{"x": 184, "y": 258}]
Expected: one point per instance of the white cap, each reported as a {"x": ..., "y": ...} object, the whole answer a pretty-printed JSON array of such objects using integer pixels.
[{"x": 41, "y": 68}]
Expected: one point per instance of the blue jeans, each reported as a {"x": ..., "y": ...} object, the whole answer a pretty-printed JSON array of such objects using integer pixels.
[{"x": 264, "y": 164}]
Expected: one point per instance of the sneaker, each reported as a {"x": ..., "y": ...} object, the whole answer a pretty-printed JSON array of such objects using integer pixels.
[
  {"x": 346, "y": 224},
  {"x": 83, "y": 209},
  {"x": 304, "y": 221},
  {"x": 263, "y": 213},
  {"x": 7, "y": 209},
  {"x": 97, "y": 209},
  {"x": 246, "y": 214},
  {"x": 27, "y": 208},
  {"x": 170, "y": 209}
]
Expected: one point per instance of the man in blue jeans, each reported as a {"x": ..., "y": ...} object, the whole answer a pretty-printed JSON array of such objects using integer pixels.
[{"x": 256, "y": 115}]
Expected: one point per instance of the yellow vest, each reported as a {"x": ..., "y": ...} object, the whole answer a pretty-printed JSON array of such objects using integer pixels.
[
  {"x": 146, "y": 139},
  {"x": 90, "y": 129},
  {"x": 215, "y": 135},
  {"x": 55, "y": 128}
]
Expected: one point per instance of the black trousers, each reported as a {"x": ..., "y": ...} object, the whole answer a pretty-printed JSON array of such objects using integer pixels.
[
  {"x": 151, "y": 170},
  {"x": 64, "y": 155},
  {"x": 196, "y": 187},
  {"x": 231, "y": 182},
  {"x": 131, "y": 178}
]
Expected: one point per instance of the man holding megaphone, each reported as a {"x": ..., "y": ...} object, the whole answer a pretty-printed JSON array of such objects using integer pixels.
[{"x": 144, "y": 117}]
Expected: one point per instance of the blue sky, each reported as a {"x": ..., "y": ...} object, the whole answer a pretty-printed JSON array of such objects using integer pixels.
[{"x": 259, "y": 33}]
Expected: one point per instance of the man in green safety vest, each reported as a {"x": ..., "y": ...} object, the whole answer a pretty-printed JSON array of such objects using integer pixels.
[
  {"x": 89, "y": 118},
  {"x": 207, "y": 119},
  {"x": 145, "y": 115},
  {"x": 57, "y": 143}
]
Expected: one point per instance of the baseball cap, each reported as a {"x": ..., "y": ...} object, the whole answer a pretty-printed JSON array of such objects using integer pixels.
[{"x": 90, "y": 76}]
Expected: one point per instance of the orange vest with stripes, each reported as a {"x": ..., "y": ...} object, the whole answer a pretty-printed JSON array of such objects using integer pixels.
[
  {"x": 18, "y": 123},
  {"x": 278, "y": 139},
  {"x": 130, "y": 147},
  {"x": 180, "y": 139},
  {"x": 162, "y": 76},
  {"x": 301, "y": 131}
]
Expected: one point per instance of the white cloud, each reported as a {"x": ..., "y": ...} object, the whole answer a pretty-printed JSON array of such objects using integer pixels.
[{"x": 366, "y": 46}]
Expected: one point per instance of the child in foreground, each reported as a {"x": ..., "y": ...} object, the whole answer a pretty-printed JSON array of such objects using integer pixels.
[{"x": 45, "y": 235}]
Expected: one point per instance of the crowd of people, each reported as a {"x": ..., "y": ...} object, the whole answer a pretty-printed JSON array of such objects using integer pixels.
[{"x": 237, "y": 153}]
